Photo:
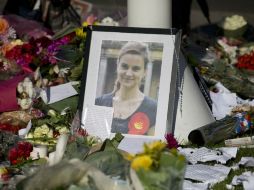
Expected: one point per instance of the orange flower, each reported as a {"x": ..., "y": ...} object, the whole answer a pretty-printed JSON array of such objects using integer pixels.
[
  {"x": 3, "y": 26},
  {"x": 6, "y": 47}
]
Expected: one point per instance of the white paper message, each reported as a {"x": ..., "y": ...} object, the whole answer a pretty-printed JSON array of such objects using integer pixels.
[
  {"x": 60, "y": 92},
  {"x": 97, "y": 120},
  {"x": 221, "y": 155},
  {"x": 207, "y": 174}
]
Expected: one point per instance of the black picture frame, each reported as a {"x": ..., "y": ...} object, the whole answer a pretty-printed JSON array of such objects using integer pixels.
[{"x": 167, "y": 92}]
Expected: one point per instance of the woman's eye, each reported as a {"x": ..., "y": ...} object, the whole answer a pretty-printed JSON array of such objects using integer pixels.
[
  {"x": 136, "y": 68},
  {"x": 124, "y": 66}
]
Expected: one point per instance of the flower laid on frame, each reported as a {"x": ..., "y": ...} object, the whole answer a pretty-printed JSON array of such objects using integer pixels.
[
  {"x": 149, "y": 158},
  {"x": 171, "y": 141}
]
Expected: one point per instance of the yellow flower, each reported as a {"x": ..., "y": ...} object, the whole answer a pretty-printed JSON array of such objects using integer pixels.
[
  {"x": 17, "y": 42},
  {"x": 155, "y": 146},
  {"x": 143, "y": 161},
  {"x": 128, "y": 156},
  {"x": 80, "y": 33}
]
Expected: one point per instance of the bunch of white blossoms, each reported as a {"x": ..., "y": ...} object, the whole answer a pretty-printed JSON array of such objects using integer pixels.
[
  {"x": 234, "y": 22},
  {"x": 26, "y": 93},
  {"x": 108, "y": 21}
]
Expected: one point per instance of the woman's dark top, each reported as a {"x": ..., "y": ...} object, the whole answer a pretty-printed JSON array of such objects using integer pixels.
[{"x": 138, "y": 123}]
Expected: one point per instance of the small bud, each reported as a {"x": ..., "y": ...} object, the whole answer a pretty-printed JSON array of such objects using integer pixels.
[
  {"x": 20, "y": 88},
  {"x": 52, "y": 113},
  {"x": 56, "y": 69}
]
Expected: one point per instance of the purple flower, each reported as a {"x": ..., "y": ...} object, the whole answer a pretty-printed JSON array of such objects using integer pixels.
[{"x": 171, "y": 141}]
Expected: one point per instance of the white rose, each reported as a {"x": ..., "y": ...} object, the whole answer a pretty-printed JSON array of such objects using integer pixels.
[
  {"x": 29, "y": 90},
  {"x": 41, "y": 131},
  {"x": 27, "y": 79},
  {"x": 20, "y": 87},
  {"x": 50, "y": 134},
  {"x": 108, "y": 21},
  {"x": 234, "y": 22},
  {"x": 25, "y": 103}
]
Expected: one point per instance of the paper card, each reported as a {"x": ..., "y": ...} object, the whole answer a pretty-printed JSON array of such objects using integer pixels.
[
  {"x": 60, "y": 92},
  {"x": 247, "y": 161},
  {"x": 97, "y": 120},
  {"x": 221, "y": 155},
  {"x": 246, "y": 178},
  {"x": 207, "y": 174},
  {"x": 24, "y": 132},
  {"x": 188, "y": 185}
]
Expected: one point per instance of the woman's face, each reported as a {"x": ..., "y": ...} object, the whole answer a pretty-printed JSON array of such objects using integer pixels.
[{"x": 130, "y": 70}]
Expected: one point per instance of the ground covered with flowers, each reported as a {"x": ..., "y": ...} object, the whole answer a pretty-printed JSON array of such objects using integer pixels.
[
  {"x": 42, "y": 141},
  {"x": 35, "y": 134}
]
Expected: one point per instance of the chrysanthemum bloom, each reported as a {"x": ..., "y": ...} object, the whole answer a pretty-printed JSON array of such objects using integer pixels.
[
  {"x": 156, "y": 146},
  {"x": 143, "y": 161},
  {"x": 3, "y": 26}
]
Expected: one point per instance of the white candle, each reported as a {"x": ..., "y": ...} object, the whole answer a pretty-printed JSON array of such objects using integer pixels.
[
  {"x": 149, "y": 13},
  {"x": 41, "y": 150}
]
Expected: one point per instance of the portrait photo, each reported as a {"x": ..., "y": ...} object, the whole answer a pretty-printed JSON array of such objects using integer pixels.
[
  {"x": 133, "y": 73},
  {"x": 128, "y": 81}
]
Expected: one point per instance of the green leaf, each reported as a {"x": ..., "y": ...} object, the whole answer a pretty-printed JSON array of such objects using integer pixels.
[
  {"x": 170, "y": 174},
  {"x": 109, "y": 160},
  {"x": 117, "y": 139},
  {"x": 76, "y": 72},
  {"x": 70, "y": 103},
  {"x": 65, "y": 31},
  {"x": 69, "y": 53}
]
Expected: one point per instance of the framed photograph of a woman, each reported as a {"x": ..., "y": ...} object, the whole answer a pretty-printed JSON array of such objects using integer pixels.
[{"x": 133, "y": 71}]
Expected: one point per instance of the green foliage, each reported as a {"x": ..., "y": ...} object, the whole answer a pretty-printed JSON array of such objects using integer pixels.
[
  {"x": 77, "y": 148},
  {"x": 169, "y": 174},
  {"x": 109, "y": 160}
]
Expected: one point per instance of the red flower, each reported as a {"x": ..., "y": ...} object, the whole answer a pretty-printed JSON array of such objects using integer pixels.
[
  {"x": 138, "y": 124},
  {"x": 246, "y": 61},
  {"x": 82, "y": 132},
  {"x": 20, "y": 153},
  {"x": 10, "y": 128},
  {"x": 171, "y": 141}
]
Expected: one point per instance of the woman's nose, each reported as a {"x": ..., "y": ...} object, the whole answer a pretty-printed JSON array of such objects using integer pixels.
[{"x": 129, "y": 72}]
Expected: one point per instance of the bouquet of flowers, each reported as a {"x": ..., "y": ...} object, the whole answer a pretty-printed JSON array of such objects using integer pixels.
[
  {"x": 157, "y": 167},
  {"x": 226, "y": 60}
]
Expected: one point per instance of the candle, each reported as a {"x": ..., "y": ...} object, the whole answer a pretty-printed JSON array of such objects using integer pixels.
[
  {"x": 149, "y": 13},
  {"x": 41, "y": 150}
]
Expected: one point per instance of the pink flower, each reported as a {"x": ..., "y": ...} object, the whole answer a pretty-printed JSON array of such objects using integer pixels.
[{"x": 171, "y": 141}]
